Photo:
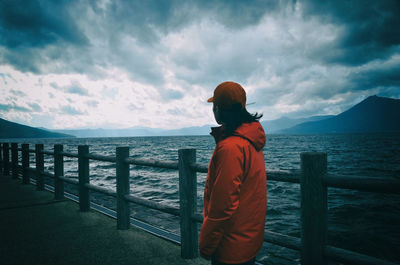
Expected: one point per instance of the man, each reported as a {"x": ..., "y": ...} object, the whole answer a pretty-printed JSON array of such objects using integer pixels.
[{"x": 235, "y": 191}]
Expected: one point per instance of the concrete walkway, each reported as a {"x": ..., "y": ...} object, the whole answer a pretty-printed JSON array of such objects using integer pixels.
[{"x": 36, "y": 229}]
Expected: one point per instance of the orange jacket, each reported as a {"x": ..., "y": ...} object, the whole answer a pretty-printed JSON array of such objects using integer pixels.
[{"x": 235, "y": 196}]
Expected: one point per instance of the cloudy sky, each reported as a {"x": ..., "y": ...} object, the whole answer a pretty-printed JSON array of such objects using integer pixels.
[{"x": 118, "y": 64}]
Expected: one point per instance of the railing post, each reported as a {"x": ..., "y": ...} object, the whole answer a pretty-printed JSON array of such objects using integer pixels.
[
  {"x": 83, "y": 170},
  {"x": 39, "y": 166},
  {"x": 122, "y": 168},
  {"x": 188, "y": 203},
  {"x": 58, "y": 171},
  {"x": 1, "y": 159},
  {"x": 14, "y": 160},
  {"x": 6, "y": 159},
  {"x": 25, "y": 164},
  {"x": 313, "y": 208}
]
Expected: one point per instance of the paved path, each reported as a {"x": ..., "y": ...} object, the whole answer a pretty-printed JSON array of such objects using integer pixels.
[{"x": 35, "y": 229}]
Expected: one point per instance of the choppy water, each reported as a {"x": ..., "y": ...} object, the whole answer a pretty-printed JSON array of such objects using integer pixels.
[{"x": 361, "y": 221}]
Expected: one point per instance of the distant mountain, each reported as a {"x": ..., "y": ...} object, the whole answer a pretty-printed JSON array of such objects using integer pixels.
[
  {"x": 84, "y": 133},
  {"x": 374, "y": 114},
  {"x": 10, "y": 129},
  {"x": 270, "y": 126},
  {"x": 138, "y": 131},
  {"x": 274, "y": 126},
  {"x": 195, "y": 130}
]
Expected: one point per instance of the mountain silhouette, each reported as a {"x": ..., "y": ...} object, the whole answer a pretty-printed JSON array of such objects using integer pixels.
[
  {"x": 10, "y": 129},
  {"x": 274, "y": 126},
  {"x": 374, "y": 114}
]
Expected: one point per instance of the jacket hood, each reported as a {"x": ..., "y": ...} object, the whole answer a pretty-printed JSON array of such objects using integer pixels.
[{"x": 253, "y": 132}]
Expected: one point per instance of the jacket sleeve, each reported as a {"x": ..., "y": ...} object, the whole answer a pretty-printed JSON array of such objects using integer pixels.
[{"x": 224, "y": 199}]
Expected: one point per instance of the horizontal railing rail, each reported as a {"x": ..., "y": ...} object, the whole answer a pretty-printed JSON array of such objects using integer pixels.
[
  {"x": 312, "y": 177},
  {"x": 370, "y": 184},
  {"x": 68, "y": 180},
  {"x": 154, "y": 205},
  {"x": 47, "y": 174},
  {"x": 199, "y": 167},
  {"x": 152, "y": 163},
  {"x": 102, "y": 158},
  {"x": 69, "y": 154},
  {"x": 102, "y": 190},
  {"x": 282, "y": 240},
  {"x": 47, "y": 153}
]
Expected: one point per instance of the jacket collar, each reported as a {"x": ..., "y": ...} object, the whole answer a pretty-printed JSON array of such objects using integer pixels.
[
  {"x": 218, "y": 133},
  {"x": 252, "y": 132}
]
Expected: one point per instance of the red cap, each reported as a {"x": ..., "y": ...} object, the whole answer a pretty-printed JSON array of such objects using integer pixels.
[{"x": 228, "y": 94}]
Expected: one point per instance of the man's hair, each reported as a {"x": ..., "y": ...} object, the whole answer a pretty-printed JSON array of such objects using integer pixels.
[{"x": 235, "y": 117}]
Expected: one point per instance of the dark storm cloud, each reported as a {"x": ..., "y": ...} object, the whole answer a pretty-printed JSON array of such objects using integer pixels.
[
  {"x": 224, "y": 41},
  {"x": 37, "y": 23},
  {"x": 382, "y": 77},
  {"x": 144, "y": 18},
  {"x": 370, "y": 29},
  {"x": 37, "y": 33},
  {"x": 27, "y": 28},
  {"x": 147, "y": 21},
  {"x": 238, "y": 14}
]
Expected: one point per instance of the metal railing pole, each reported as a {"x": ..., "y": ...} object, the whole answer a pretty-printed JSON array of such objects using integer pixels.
[
  {"x": 6, "y": 159},
  {"x": 14, "y": 160},
  {"x": 83, "y": 171},
  {"x": 313, "y": 208},
  {"x": 58, "y": 171},
  {"x": 122, "y": 168},
  {"x": 1, "y": 159},
  {"x": 39, "y": 166},
  {"x": 188, "y": 203},
  {"x": 25, "y": 164}
]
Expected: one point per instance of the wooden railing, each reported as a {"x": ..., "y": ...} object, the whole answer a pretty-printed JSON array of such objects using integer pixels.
[{"x": 312, "y": 177}]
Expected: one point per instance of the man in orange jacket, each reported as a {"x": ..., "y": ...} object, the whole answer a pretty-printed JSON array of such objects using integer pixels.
[{"x": 235, "y": 195}]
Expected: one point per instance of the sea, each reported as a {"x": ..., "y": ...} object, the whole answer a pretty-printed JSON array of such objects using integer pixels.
[{"x": 365, "y": 222}]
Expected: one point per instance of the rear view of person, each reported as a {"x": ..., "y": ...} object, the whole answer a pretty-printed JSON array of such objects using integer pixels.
[{"x": 235, "y": 195}]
